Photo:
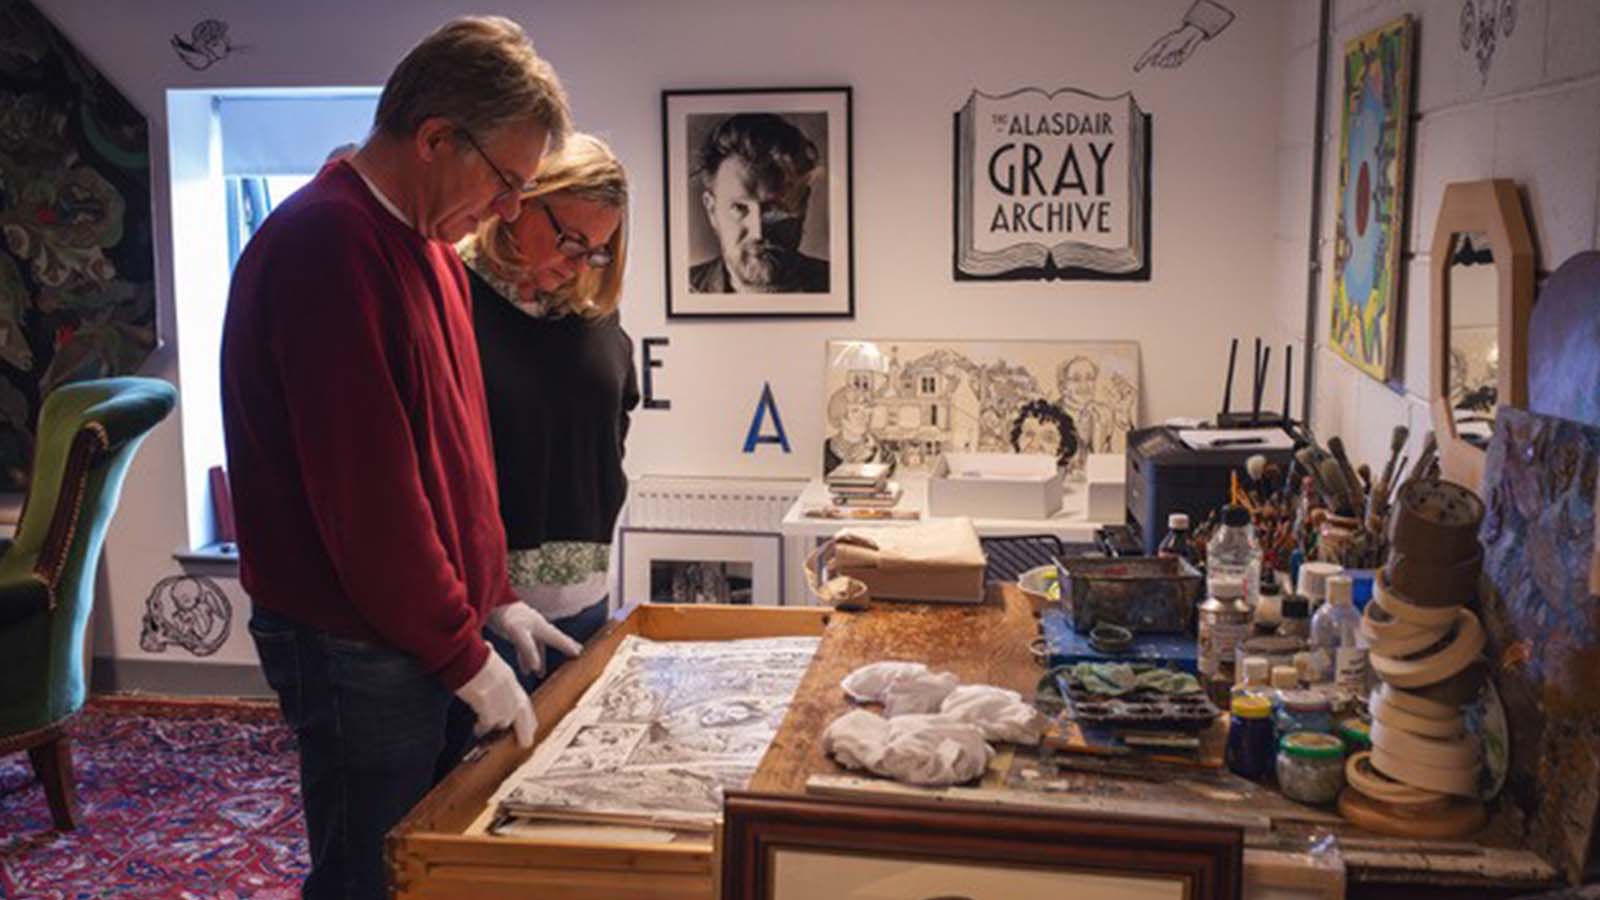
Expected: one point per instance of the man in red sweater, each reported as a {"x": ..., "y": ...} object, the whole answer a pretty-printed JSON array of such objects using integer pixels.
[{"x": 363, "y": 478}]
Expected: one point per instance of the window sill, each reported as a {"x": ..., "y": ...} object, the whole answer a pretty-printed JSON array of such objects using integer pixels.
[{"x": 211, "y": 557}]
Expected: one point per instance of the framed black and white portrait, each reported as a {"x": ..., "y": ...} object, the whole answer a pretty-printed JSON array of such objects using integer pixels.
[{"x": 758, "y": 208}]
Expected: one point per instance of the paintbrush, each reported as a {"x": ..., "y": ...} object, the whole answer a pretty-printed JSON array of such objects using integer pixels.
[
  {"x": 1397, "y": 442},
  {"x": 1336, "y": 447},
  {"x": 1338, "y": 489},
  {"x": 1307, "y": 458}
]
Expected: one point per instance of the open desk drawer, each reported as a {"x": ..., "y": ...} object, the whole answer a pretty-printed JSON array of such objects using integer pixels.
[{"x": 436, "y": 852}]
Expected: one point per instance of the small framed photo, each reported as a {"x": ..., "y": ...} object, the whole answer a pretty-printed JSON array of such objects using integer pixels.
[
  {"x": 812, "y": 848},
  {"x": 758, "y": 203},
  {"x": 668, "y": 566}
]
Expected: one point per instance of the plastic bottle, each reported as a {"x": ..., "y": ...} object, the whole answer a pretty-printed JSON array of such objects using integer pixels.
[
  {"x": 1338, "y": 654},
  {"x": 1177, "y": 542},
  {"x": 1232, "y": 555}
]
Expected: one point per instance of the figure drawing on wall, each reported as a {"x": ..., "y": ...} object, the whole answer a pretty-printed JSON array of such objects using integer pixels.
[
  {"x": 187, "y": 611},
  {"x": 1065, "y": 399},
  {"x": 1368, "y": 234},
  {"x": 1205, "y": 20},
  {"x": 77, "y": 275},
  {"x": 1483, "y": 23},
  {"x": 206, "y": 45}
]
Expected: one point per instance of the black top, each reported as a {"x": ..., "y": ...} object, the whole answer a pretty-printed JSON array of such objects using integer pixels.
[{"x": 560, "y": 391}]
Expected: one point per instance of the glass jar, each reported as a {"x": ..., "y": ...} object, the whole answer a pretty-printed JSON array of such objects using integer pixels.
[
  {"x": 1249, "y": 749},
  {"x": 1311, "y": 767},
  {"x": 1357, "y": 734},
  {"x": 1303, "y": 711}
]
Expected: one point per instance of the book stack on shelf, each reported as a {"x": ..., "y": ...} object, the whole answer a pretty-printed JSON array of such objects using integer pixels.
[{"x": 863, "y": 485}]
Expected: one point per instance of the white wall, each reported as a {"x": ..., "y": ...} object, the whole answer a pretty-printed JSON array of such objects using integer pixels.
[
  {"x": 1535, "y": 119},
  {"x": 1219, "y": 164}
]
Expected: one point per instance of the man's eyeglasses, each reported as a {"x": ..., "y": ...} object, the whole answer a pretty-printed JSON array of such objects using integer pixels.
[
  {"x": 511, "y": 189},
  {"x": 573, "y": 246}
]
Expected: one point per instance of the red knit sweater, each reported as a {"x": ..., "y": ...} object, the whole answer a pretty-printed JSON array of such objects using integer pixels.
[{"x": 358, "y": 443}]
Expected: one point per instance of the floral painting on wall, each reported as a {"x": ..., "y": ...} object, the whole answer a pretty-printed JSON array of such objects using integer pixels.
[{"x": 77, "y": 267}]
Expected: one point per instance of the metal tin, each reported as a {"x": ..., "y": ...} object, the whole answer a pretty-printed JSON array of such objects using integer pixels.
[{"x": 1144, "y": 594}]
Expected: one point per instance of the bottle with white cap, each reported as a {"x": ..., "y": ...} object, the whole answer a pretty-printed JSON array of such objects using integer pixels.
[
  {"x": 1177, "y": 541},
  {"x": 1338, "y": 654},
  {"x": 1313, "y": 582}
]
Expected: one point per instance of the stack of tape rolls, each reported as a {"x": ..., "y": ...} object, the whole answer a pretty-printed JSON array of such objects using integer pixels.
[{"x": 1421, "y": 776}]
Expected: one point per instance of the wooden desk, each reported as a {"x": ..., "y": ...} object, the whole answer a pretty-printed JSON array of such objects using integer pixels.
[
  {"x": 983, "y": 644},
  {"x": 437, "y": 853}
]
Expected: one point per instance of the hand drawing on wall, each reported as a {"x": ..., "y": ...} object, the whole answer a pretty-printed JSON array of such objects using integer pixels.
[
  {"x": 207, "y": 44},
  {"x": 1067, "y": 399},
  {"x": 1483, "y": 23},
  {"x": 1205, "y": 20},
  {"x": 190, "y": 611}
]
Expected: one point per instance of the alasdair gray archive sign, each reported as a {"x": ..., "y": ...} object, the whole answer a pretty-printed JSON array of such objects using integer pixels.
[{"x": 1052, "y": 186}]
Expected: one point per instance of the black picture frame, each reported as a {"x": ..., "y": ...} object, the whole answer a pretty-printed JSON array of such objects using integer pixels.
[{"x": 820, "y": 283}]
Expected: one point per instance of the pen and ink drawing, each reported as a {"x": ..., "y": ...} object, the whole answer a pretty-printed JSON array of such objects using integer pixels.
[
  {"x": 1063, "y": 398},
  {"x": 1205, "y": 20},
  {"x": 662, "y": 733},
  {"x": 206, "y": 45},
  {"x": 1483, "y": 24},
  {"x": 189, "y": 611}
]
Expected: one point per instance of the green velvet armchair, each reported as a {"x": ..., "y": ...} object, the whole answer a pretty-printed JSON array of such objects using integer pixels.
[{"x": 88, "y": 432}]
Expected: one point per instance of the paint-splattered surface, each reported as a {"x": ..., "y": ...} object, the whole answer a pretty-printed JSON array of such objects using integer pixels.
[{"x": 1543, "y": 623}]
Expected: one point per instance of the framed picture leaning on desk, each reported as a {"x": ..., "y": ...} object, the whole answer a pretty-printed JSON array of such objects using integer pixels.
[
  {"x": 810, "y": 848},
  {"x": 686, "y": 566}
]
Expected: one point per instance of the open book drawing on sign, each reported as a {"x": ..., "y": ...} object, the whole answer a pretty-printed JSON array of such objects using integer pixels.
[{"x": 1052, "y": 185}]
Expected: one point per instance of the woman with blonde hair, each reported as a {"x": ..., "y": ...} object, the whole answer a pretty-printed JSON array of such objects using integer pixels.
[{"x": 558, "y": 372}]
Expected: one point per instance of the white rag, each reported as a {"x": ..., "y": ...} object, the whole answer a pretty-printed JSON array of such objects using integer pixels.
[
  {"x": 999, "y": 713},
  {"x": 904, "y": 688},
  {"x": 928, "y": 750}
]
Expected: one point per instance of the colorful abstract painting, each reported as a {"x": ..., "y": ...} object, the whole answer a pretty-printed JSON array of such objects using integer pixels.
[
  {"x": 1543, "y": 619},
  {"x": 77, "y": 265},
  {"x": 1368, "y": 234}
]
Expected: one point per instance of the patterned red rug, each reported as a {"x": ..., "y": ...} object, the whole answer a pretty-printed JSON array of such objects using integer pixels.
[{"x": 176, "y": 799}]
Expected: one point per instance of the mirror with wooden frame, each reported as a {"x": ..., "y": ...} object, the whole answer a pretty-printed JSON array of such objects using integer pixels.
[{"x": 1482, "y": 265}]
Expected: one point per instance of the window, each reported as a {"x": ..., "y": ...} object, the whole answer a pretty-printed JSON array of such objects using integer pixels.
[
  {"x": 930, "y": 384},
  {"x": 234, "y": 155}
]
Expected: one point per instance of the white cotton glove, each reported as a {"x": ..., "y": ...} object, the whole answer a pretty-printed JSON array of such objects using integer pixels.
[
  {"x": 529, "y": 632},
  {"x": 499, "y": 700},
  {"x": 999, "y": 713}
]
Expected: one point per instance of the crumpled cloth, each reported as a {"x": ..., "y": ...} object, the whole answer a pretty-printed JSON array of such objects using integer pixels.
[
  {"x": 1116, "y": 679},
  {"x": 999, "y": 713},
  {"x": 928, "y": 750},
  {"x": 904, "y": 688}
]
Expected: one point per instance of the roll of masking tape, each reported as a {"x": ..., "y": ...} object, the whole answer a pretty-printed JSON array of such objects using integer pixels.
[
  {"x": 1435, "y": 522},
  {"x": 1415, "y": 703},
  {"x": 1392, "y": 637},
  {"x": 1392, "y": 717},
  {"x": 1358, "y": 771},
  {"x": 1461, "y": 782},
  {"x": 1404, "y": 610},
  {"x": 1459, "y": 753},
  {"x": 1459, "y": 651},
  {"x": 1434, "y": 584}
]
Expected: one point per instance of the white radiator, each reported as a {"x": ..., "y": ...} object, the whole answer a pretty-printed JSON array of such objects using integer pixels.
[
  {"x": 710, "y": 504},
  {"x": 750, "y": 505}
]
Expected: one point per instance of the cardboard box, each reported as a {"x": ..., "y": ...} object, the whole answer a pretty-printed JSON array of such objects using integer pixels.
[
  {"x": 1106, "y": 483},
  {"x": 938, "y": 560},
  {"x": 995, "y": 486}
]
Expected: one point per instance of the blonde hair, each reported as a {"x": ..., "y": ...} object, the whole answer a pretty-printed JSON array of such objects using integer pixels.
[
  {"x": 587, "y": 169},
  {"x": 480, "y": 72}
]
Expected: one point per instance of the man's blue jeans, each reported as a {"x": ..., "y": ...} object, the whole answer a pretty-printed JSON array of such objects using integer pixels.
[{"x": 375, "y": 734}]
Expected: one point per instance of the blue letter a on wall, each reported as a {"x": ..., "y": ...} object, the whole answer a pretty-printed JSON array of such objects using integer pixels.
[{"x": 755, "y": 436}]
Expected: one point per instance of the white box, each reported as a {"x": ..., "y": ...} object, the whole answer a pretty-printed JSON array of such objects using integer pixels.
[
  {"x": 995, "y": 486},
  {"x": 1106, "y": 483}
]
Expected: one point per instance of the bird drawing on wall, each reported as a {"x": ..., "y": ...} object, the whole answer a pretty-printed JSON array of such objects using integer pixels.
[{"x": 207, "y": 45}]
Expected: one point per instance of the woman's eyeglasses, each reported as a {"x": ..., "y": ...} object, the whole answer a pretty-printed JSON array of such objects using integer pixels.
[{"x": 573, "y": 246}]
